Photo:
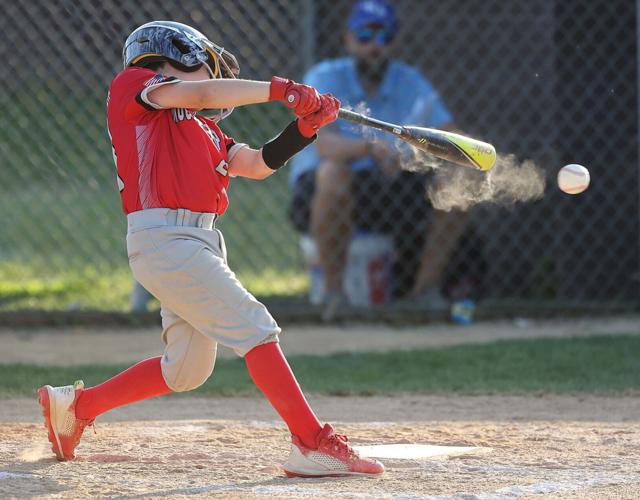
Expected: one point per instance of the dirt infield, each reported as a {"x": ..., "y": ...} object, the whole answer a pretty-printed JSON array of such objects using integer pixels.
[
  {"x": 533, "y": 446},
  {"x": 551, "y": 446}
]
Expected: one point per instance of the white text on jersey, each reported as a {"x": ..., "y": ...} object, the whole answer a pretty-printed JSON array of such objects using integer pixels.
[{"x": 180, "y": 114}]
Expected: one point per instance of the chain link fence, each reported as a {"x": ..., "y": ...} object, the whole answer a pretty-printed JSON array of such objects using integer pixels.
[{"x": 554, "y": 82}]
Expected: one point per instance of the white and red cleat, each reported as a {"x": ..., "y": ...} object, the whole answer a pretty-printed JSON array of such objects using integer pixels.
[
  {"x": 58, "y": 409},
  {"x": 332, "y": 457}
]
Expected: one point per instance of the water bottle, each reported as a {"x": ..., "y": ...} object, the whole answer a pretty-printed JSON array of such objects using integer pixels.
[
  {"x": 462, "y": 311},
  {"x": 368, "y": 271}
]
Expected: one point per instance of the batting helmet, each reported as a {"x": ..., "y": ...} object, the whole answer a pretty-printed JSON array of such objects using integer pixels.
[{"x": 182, "y": 46}]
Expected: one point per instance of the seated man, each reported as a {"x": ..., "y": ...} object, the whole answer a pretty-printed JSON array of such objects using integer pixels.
[{"x": 351, "y": 179}]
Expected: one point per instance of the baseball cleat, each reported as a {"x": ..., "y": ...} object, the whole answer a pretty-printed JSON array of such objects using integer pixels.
[
  {"x": 332, "y": 457},
  {"x": 58, "y": 409}
]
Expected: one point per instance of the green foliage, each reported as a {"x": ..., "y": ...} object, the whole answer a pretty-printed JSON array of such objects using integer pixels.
[{"x": 595, "y": 364}]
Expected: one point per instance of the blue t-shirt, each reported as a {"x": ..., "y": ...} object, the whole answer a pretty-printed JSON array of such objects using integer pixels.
[{"x": 404, "y": 97}]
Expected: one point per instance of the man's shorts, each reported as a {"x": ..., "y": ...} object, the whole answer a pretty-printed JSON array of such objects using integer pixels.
[
  {"x": 398, "y": 208},
  {"x": 379, "y": 205}
]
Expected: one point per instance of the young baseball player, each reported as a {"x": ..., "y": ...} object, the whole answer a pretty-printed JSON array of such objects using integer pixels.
[{"x": 173, "y": 169}]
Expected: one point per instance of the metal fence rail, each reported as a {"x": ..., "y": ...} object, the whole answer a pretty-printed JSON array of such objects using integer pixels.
[{"x": 550, "y": 81}]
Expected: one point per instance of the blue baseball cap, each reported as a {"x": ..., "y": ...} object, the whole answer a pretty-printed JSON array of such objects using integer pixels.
[{"x": 369, "y": 12}]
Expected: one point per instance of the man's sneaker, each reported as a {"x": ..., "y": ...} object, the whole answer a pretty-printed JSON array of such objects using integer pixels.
[
  {"x": 335, "y": 304},
  {"x": 429, "y": 300},
  {"x": 332, "y": 457},
  {"x": 58, "y": 409}
]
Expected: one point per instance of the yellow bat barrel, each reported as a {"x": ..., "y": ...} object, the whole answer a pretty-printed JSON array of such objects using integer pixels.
[
  {"x": 482, "y": 154},
  {"x": 451, "y": 147}
]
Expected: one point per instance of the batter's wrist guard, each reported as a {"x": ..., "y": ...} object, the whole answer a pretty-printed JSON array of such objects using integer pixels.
[
  {"x": 281, "y": 148},
  {"x": 278, "y": 88}
]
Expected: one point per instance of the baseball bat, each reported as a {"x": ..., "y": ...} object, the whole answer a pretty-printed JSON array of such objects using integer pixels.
[{"x": 448, "y": 146}]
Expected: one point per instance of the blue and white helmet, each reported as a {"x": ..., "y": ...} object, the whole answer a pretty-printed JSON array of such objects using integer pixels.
[{"x": 182, "y": 46}]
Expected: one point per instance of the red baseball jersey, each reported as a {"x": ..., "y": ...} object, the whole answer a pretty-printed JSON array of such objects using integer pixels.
[{"x": 165, "y": 158}]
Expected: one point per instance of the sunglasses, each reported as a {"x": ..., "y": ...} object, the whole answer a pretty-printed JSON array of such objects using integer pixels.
[{"x": 381, "y": 35}]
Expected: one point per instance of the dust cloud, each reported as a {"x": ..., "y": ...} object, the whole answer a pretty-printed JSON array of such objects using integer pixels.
[
  {"x": 510, "y": 181},
  {"x": 453, "y": 187},
  {"x": 34, "y": 453}
]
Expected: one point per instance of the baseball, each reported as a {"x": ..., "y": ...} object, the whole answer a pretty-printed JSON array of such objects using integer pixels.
[{"x": 573, "y": 179}]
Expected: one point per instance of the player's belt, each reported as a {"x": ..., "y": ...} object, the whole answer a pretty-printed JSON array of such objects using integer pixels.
[{"x": 156, "y": 217}]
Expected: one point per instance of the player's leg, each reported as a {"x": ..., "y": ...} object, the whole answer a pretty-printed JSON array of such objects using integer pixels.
[
  {"x": 272, "y": 374},
  {"x": 316, "y": 450},
  {"x": 187, "y": 362},
  {"x": 189, "y": 356},
  {"x": 67, "y": 410},
  {"x": 206, "y": 293}
]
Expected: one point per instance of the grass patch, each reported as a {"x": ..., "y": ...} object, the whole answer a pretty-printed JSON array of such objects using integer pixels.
[
  {"x": 77, "y": 259},
  {"x": 26, "y": 286},
  {"x": 63, "y": 245},
  {"x": 107, "y": 288},
  {"x": 595, "y": 364}
]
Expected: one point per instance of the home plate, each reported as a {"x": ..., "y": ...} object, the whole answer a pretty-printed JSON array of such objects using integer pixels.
[{"x": 412, "y": 451}]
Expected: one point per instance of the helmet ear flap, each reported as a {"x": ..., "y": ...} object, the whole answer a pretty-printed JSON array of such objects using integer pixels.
[{"x": 153, "y": 62}]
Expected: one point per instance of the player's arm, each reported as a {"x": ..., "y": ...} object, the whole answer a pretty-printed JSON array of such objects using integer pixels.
[
  {"x": 263, "y": 162},
  {"x": 259, "y": 164},
  {"x": 249, "y": 163},
  {"x": 229, "y": 93},
  {"x": 210, "y": 94}
]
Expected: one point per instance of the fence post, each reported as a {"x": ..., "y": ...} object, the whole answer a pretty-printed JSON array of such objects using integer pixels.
[{"x": 637, "y": 34}]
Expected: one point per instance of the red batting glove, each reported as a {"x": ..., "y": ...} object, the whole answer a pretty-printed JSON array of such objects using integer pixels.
[
  {"x": 304, "y": 99},
  {"x": 328, "y": 112}
]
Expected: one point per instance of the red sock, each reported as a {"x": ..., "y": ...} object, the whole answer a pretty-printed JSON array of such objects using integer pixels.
[
  {"x": 272, "y": 375},
  {"x": 142, "y": 381}
]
